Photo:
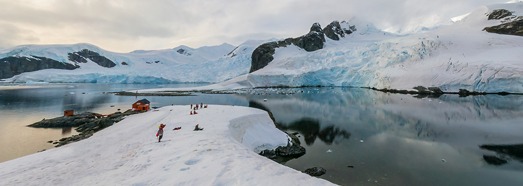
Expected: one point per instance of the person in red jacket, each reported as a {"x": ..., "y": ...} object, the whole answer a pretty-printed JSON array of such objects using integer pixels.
[{"x": 159, "y": 134}]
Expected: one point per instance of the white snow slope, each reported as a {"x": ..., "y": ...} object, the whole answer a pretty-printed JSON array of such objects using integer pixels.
[
  {"x": 127, "y": 153},
  {"x": 456, "y": 56},
  {"x": 180, "y": 64},
  {"x": 452, "y": 57}
]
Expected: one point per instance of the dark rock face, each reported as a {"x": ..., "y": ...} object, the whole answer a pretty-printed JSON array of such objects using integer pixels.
[
  {"x": 312, "y": 41},
  {"x": 81, "y": 56},
  {"x": 315, "y": 171},
  {"x": 334, "y": 30},
  {"x": 183, "y": 52},
  {"x": 510, "y": 28},
  {"x": 499, "y": 14},
  {"x": 262, "y": 55},
  {"x": 14, "y": 65}
]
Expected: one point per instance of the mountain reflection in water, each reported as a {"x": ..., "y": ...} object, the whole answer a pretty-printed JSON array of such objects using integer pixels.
[{"x": 374, "y": 138}]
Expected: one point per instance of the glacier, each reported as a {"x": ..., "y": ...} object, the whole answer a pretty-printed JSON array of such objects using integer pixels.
[
  {"x": 451, "y": 57},
  {"x": 459, "y": 55}
]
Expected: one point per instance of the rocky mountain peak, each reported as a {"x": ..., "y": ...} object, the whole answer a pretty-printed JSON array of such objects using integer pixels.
[
  {"x": 316, "y": 27},
  {"x": 499, "y": 14},
  {"x": 312, "y": 41},
  {"x": 511, "y": 24},
  {"x": 335, "y": 30}
]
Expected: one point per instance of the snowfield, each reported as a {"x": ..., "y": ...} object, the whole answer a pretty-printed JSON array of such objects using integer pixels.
[
  {"x": 127, "y": 153},
  {"x": 458, "y": 55},
  {"x": 452, "y": 57}
]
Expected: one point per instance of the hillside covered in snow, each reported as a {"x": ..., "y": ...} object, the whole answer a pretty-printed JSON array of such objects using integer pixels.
[
  {"x": 462, "y": 55},
  {"x": 127, "y": 153},
  {"x": 478, "y": 51},
  {"x": 86, "y": 63}
]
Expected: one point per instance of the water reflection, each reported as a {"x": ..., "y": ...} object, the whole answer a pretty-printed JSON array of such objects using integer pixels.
[
  {"x": 67, "y": 130},
  {"x": 395, "y": 139},
  {"x": 310, "y": 129},
  {"x": 504, "y": 153}
]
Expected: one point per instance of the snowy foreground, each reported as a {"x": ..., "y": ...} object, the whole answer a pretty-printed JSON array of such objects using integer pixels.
[{"x": 127, "y": 153}]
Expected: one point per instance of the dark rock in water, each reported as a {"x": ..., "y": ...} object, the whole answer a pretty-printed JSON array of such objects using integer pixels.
[
  {"x": 285, "y": 153},
  {"x": 66, "y": 121},
  {"x": 14, "y": 65},
  {"x": 499, "y": 14},
  {"x": 493, "y": 160},
  {"x": 315, "y": 171},
  {"x": 83, "y": 55},
  {"x": 87, "y": 124},
  {"x": 290, "y": 151},
  {"x": 271, "y": 154},
  {"x": 510, "y": 28}
]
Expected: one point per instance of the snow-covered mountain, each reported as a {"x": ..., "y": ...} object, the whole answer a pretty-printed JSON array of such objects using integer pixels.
[
  {"x": 461, "y": 55},
  {"x": 478, "y": 51},
  {"x": 91, "y": 64}
]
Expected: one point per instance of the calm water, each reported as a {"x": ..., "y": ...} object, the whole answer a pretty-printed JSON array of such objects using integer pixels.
[{"x": 361, "y": 137}]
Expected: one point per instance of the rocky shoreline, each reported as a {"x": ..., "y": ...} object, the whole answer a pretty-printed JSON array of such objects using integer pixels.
[
  {"x": 166, "y": 93},
  {"x": 418, "y": 90},
  {"x": 436, "y": 92},
  {"x": 86, "y": 124}
]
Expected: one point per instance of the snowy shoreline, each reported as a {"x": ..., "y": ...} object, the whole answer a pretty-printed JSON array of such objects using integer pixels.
[{"x": 127, "y": 153}]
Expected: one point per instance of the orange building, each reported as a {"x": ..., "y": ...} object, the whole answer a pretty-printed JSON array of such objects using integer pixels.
[
  {"x": 69, "y": 113},
  {"x": 143, "y": 104}
]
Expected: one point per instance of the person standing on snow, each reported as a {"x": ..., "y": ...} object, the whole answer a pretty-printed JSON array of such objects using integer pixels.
[{"x": 159, "y": 134}]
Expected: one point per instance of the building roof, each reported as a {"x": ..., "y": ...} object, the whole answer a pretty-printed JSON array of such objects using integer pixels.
[{"x": 143, "y": 101}]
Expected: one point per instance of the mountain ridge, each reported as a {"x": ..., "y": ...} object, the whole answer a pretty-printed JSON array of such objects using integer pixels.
[{"x": 463, "y": 55}]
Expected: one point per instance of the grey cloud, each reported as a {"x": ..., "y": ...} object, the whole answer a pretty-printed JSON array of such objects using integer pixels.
[{"x": 117, "y": 24}]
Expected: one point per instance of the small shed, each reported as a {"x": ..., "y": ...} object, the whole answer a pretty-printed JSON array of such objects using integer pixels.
[
  {"x": 142, "y": 104},
  {"x": 68, "y": 112}
]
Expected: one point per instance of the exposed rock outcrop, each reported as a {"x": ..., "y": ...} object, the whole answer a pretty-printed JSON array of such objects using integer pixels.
[
  {"x": 83, "y": 55},
  {"x": 315, "y": 171},
  {"x": 87, "y": 124},
  {"x": 510, "y": 28},
  {"x": 335, "y": 31},
  {"x": 499, "y": 14},
  {"x": 312, "y": 41},
  {"x": 511, "y": 24},
  {"x": 14, "y": 65}
]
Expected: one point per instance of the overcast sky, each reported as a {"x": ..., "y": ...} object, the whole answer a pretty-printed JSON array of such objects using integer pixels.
[{"x": 126, "y": 25}]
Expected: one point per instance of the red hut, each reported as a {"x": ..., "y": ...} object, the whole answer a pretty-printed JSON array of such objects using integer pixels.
[
  {"x": 143, "y": 104},
  {"x": 69, "y": 113}
]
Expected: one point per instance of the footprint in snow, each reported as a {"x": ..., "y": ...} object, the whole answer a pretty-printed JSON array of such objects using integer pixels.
[{"x": 192, "y": 161}]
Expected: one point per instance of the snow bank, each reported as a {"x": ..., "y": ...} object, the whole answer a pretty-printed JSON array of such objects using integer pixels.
[{"x": 128, "y": 153}]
